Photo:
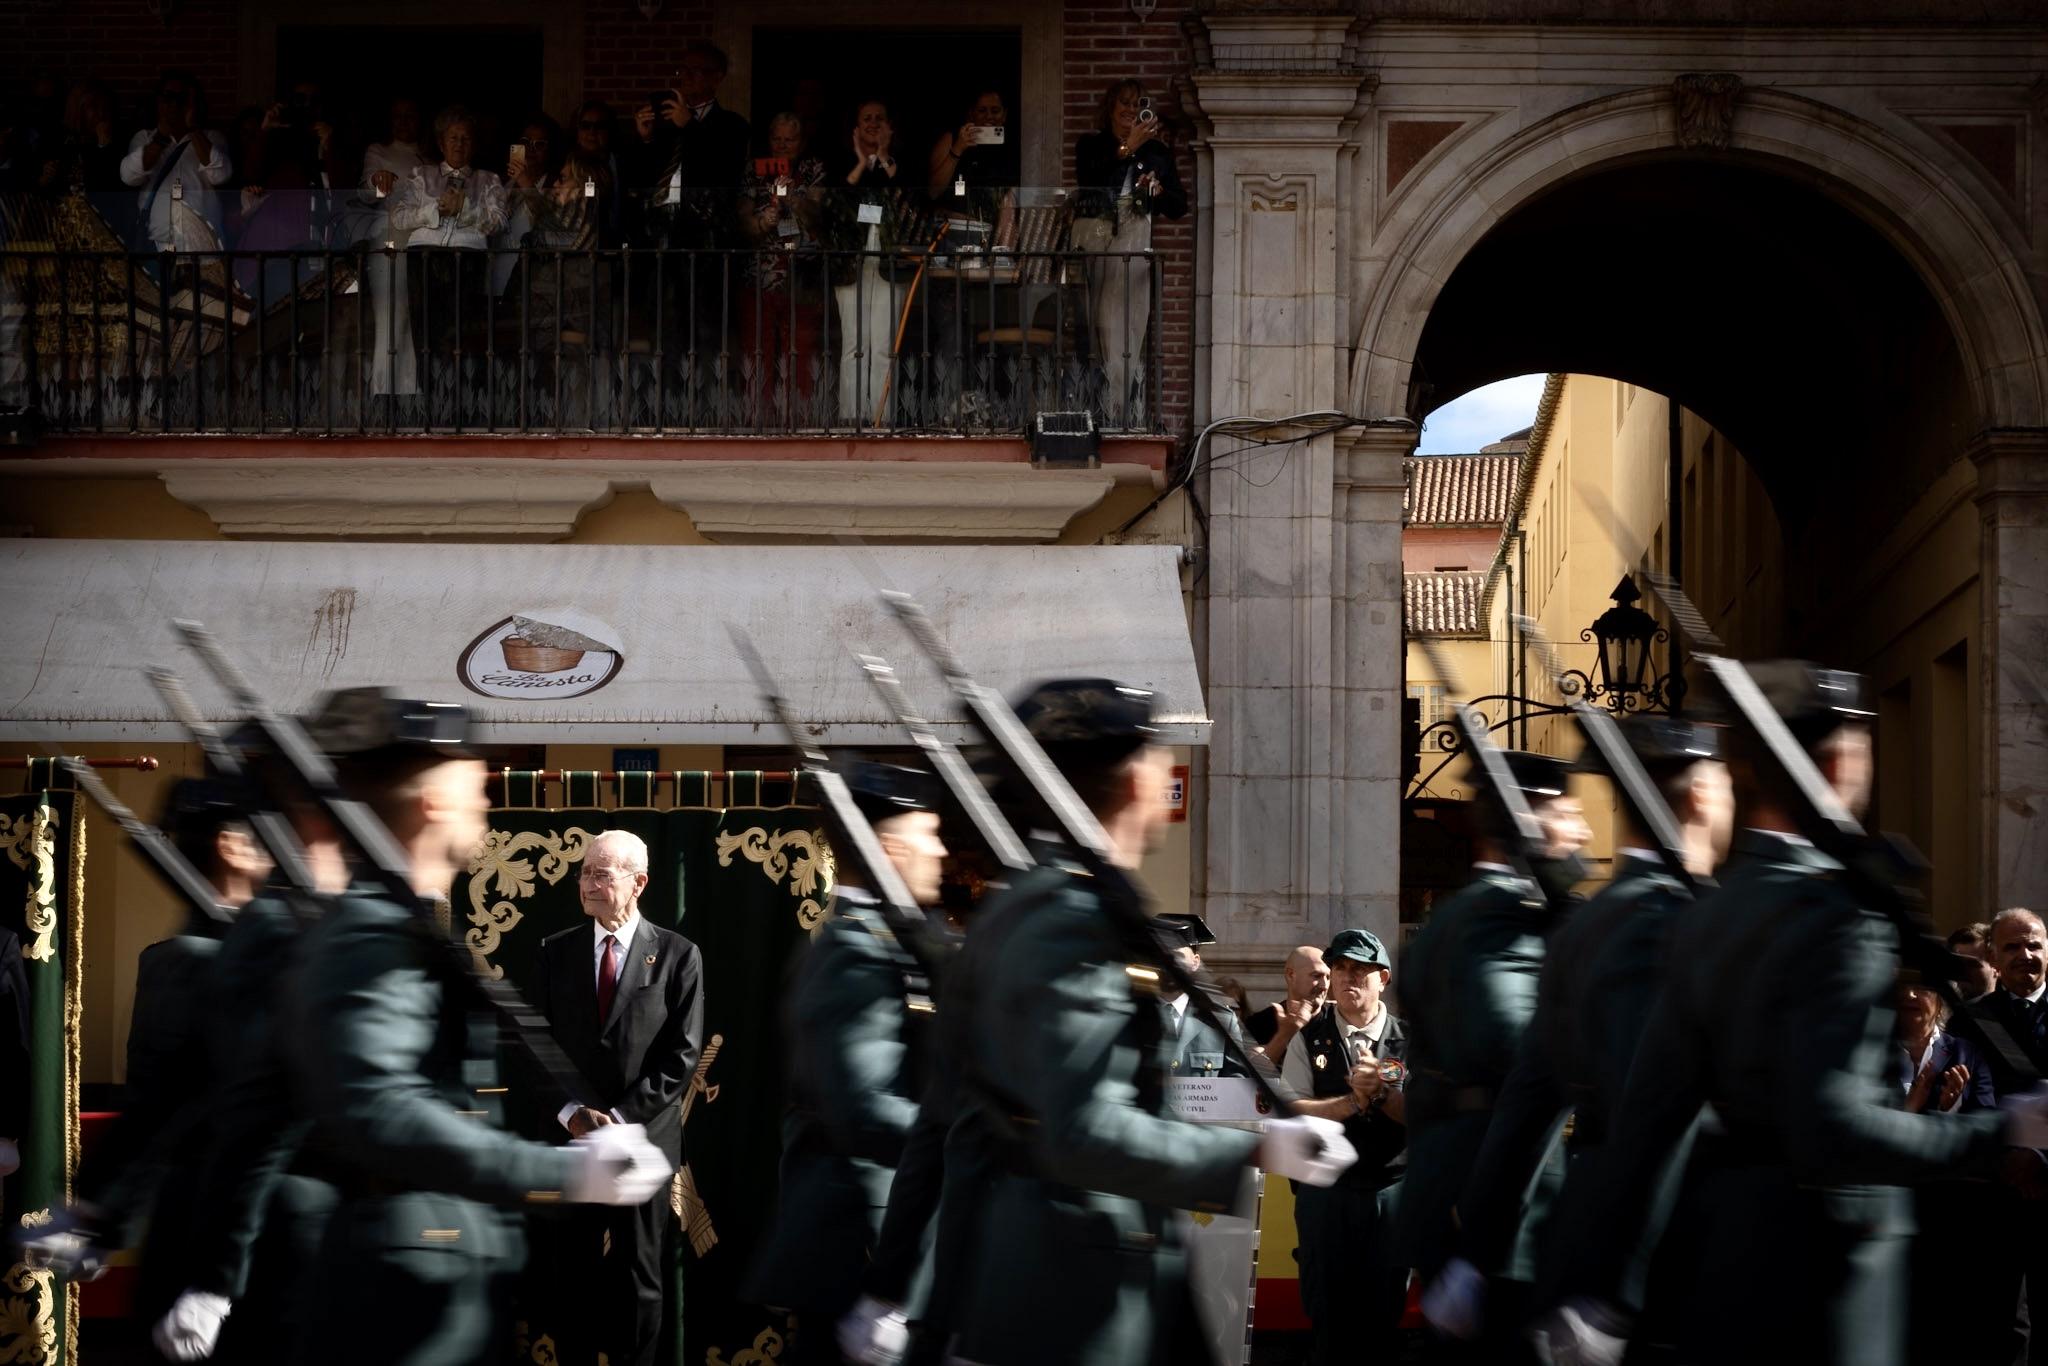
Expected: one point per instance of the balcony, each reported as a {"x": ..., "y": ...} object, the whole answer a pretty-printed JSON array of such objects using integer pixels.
[{"x": 951, "y": 334}]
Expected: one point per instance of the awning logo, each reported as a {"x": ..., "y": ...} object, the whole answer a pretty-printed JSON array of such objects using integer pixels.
[{"x": 551, "y": 654}]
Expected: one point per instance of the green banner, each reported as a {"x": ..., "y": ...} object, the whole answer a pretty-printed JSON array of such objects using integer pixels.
[
  {"x": 42, "y": 902},
  {"x": 744, "y": 884}
]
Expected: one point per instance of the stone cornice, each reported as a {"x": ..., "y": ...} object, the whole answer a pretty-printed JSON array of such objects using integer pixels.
[
  {"x": 2011, "y": 463},
  {"x": 725, "y": 500}
]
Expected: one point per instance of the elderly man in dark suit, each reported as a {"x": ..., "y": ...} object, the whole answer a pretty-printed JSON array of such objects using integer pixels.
[{"x": 624, "y": 998}]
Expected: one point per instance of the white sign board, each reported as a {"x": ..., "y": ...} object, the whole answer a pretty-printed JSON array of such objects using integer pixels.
[{"x": 1222, "y": 1248}]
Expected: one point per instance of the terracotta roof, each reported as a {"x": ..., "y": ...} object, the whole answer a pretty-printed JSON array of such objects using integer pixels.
[
  {"x": 1458, "y": 490},
  {"x": 1443, "y": 603}
]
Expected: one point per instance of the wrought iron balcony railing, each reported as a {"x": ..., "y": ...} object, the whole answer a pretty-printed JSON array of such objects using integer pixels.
[{"x": 536, "y": 340}]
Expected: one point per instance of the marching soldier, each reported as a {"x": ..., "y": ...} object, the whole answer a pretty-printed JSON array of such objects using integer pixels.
[
  {"x": 857, "y": 1051},
  {"x": 259, "y": 1219},
  {"x": 1350, "y": 1059},
  {"x": 1469, "y": 988},
  {"x": 1196, "y": 1049},
  {"x": 1600, "y": 976},
  {"x": 1801, "y": 1172},
  {"x": 396, "y": 1067},
  {"x": 147, "y": 1171},
  {"x": 1064, "y": 1065}
]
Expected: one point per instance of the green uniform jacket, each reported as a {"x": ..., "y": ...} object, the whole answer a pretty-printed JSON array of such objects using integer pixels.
[
  {"x": 1777, "y": 1013},
  {"x": 1599, "y": 979},
  {"x": 1199, "y": 1050},
  {"x": 398, "y": 1073},
  {"x": 1468, "y": 984},
  {"x": 247, "y": 1192},
  {"x": 1066, "y": 1064},
  {"x": 853, "y": 1083}
]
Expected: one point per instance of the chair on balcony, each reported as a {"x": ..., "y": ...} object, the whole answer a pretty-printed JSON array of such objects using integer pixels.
[{"x": 1029, "y": 354}]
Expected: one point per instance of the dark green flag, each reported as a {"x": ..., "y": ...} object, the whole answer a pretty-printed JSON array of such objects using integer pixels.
[
  {"x": 41, "y": 905},
  {"x": 745, "y": 884}
]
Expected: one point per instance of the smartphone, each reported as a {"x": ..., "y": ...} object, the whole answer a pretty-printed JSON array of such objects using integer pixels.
[
  {"x": 518, "y": 155},
  {"x": 658, "y": 96},
  {"x": 771, "y": 168},
  {"x": 997, "y": 134}
]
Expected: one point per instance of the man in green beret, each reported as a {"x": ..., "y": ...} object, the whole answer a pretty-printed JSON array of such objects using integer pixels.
[{"x": 1350, "y": 1060}]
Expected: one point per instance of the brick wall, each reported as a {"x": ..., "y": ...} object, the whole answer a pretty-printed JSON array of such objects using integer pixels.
[
  {"x": 117, "y": 42},
  {"x": 624, "y": 56},
  {"x": 1105, "y": 42}
]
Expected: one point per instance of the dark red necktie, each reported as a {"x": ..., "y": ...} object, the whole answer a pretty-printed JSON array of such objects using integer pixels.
[{"x": 607, "y": 977}]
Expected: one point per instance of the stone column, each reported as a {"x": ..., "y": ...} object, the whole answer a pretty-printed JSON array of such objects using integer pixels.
[
  {"x": 1303, "y": 588},
  {"x": 2012, "y": 494}
]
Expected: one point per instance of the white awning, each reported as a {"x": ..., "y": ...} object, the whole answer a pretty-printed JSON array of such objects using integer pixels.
[{"x": 576, "y": 644}]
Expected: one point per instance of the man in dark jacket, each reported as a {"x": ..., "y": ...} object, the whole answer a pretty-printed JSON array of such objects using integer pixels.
[
  {"x": 857, "y": 1051},
  {"x": 624, "y": 998}
]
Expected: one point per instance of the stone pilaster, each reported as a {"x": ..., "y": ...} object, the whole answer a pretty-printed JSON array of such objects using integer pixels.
[
  {"x": 1294, "y": 784},
  {"x": 2012, "y": 494}
]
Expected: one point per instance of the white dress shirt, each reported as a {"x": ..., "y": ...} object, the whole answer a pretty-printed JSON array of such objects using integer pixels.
[
  {"x": 1298, "y": 1070},
  {"x": 197, "y": 178},
  {"x": 599, "y": 943},
  {"x": 416, "y": 207},
  {"x": 369, "y": 218}
]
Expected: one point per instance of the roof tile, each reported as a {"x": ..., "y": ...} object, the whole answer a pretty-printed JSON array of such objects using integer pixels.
[
  {"x": 1458, "y": 490},
  {"x": 1443, "y": 603}
]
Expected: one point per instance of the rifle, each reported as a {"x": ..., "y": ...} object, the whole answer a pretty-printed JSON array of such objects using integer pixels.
[
  {"x": 1870, "y": 867},
  {"x": 377, "y": 854},
  {"x": 1026, "y": 763},
  {"x": 187, "y": 883},
  {"x": 272, "y": 830},
  {"x": 1645, "y": 803},
  {"x": 995, "y": 832},
  {"x": 906, "y": 920},
  {"x": 1525, "y": 833}
]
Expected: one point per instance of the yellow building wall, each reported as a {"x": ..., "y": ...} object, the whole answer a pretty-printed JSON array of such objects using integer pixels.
[{"x": 1597, "y": 507}]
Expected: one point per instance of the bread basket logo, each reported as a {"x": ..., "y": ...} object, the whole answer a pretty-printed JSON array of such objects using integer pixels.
[{"x": 551, "y": 654}]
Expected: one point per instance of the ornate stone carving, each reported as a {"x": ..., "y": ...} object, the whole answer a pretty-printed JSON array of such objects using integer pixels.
[{"x": 1705, "y": 105}]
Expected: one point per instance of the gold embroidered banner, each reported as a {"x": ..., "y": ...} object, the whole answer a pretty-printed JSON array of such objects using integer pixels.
[
  {"x": 746, "y": 885},
  {"x": 41, "y": 956}
]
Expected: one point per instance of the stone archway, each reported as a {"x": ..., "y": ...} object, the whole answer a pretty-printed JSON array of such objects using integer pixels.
[
  {"x": 1972, "y": 264},
  {"x": 1318, "y": 282}
]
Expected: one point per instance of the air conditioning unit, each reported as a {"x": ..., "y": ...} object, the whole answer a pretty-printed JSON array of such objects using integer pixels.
[{"x": 1066, "y": 441}]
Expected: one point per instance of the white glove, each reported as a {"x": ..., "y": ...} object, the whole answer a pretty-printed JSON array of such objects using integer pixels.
[
  {"x": 616, "y": 1165},
  {"x": 10, "y": 1157},
  {"x": 1567, "y": 1335},
  {"x": 68, "y": 1247},
  {"x": 2027, "y": 1118},
  {"x": 1455, "y": 1301},
  {"x": 1308, "y": 1149},
  {"x": 874, "y": 1333},
  {"x": 190, "y": 1330}
]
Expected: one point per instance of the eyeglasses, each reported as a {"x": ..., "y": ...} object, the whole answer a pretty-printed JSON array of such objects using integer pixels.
[{"x": 589, "y": 126}]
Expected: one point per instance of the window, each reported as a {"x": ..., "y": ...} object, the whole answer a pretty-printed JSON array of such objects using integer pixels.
[{"x": 1435, "y": 704}]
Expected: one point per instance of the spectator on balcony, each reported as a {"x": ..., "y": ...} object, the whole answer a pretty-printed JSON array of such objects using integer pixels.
[
  {"x": 536, "y": 159},
  {"x": 973, "y": 181},
  {"x": 865, "y": 208},
  {"x": 86, "y": 156},
  {"x": 782, "y": 304},
  {"x": 285, "y": 210},
  {"x": 1127, "y": 178},
  {"x": 699, "y": 149},
  {"x": 386, "y": 166},
  {"x": 175, "y": 166},
  {"x": 600, "y": 162},
  {"x": 450, "y": 209}
]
